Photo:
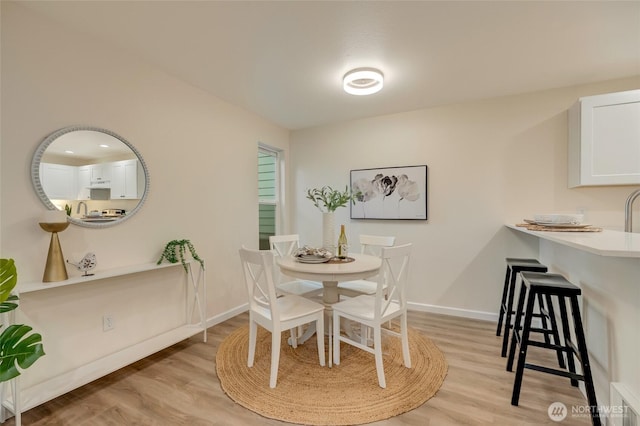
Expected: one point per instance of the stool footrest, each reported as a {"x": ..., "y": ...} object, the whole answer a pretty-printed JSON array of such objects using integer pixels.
[
  {"x": 541, "y": 330},
  {"x": 549, "y": 346},
  {"x": 554, "y": 371}
]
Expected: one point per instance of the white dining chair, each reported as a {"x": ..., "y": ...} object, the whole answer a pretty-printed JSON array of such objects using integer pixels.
[
  {"x": 275, "y": 314},
  {"x": 375, "y": 310},
  {"x": 285, "y": 245},
  {"x": 369, "y": 244}
]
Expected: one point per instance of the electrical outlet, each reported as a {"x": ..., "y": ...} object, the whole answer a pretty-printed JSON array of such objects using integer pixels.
[{"x": 108, "y": 323}]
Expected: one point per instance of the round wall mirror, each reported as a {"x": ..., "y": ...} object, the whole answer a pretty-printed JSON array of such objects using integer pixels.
[{"x": 98, "y": 177}]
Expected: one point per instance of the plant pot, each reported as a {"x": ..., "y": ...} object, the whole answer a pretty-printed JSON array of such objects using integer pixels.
[{"x": 328, "y": 231}]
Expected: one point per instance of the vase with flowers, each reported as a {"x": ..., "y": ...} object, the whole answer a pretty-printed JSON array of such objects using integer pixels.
[{"x": 327, "y": 200}]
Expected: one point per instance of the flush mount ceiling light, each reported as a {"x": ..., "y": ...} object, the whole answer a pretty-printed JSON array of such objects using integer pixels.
[{"x": 363, "y": 81}]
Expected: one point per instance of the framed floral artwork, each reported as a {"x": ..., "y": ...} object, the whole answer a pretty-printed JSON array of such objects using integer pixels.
[{"x": 390, "y": 193}]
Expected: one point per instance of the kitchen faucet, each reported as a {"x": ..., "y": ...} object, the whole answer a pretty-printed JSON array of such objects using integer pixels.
[
  {"x": 628, "y": 211},
  {"x": 82, "y": 203}
]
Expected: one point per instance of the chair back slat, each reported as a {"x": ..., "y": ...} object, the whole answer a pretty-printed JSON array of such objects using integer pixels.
[
  {"x": 283, "y": 246},
  {"x": 257, "y": 266},
  {"x": 372, "y": 244},
  {"x": 392, "y": 278}
]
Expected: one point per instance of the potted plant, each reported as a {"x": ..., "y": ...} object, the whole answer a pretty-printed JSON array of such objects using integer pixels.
[
  {"x": 327, "y": 200},
  {"x": 176, "y": 249},
  {"x": 19, "y": 348}
]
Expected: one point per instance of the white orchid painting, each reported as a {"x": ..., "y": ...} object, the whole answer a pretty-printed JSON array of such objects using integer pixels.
[{"x": 390, "y": 193}]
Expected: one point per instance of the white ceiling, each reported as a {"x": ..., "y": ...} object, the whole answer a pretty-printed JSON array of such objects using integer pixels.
[{"x": 285, "y": 60}]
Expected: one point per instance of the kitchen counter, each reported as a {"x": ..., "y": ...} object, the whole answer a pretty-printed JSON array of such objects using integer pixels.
[
  {"x": 605, "y": 243},
  {"x": 605, "y": 265}
]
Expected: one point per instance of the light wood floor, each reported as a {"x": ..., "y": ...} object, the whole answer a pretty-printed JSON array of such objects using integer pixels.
[{"x": 179, "y": 386}]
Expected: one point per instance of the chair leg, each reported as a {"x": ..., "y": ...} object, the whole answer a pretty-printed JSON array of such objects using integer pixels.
[
  {"x": 516, "y": 328},
  {"x": 405, "y": 341},
  {"x": 503, "y": 302},
  {"x": 566, "y": 332},
  {"x": 524, "y": 344},
  {"x": 294, "y": 336},
  {"x": 377, "y": 348},
  {"x": 336, "y": 339},
  {"x": 253, "y": 333},
  {"x": 276, "y": 335},
  {"x": 330, "y": 335},
  {"x": 320, "y": 337},
  {"x": 556, "y": 334},
  {"x": 509, "y": 307},
  {"x": 364, "y": 335}
]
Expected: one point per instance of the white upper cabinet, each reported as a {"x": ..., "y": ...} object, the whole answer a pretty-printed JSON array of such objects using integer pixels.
[
  {"x": 84, "y": 182},
  {"x": 125, "y": 181},
  {"x": 604, "y": 140},
  {"x": 100, "y": 175},
  {"x": 58, "y": 181}
]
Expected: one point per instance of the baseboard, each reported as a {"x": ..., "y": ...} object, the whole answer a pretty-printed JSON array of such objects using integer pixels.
[
  {"x": 456, "y": 312},
  {"x": 420, "y": 307},
  {"x": 222, "y": 317}
]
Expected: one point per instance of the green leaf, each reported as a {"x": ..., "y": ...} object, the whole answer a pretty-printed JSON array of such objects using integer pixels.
[
  {"x": 176, "y": 249},
  {"x": 8, "y": 278},
  {"x": 327, "y": 199},
  {"x": 18, "y": 349}
]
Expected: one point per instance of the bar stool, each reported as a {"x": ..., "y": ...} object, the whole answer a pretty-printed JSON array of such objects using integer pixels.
[
  {"x": 514, "y": 267},
  {"x": 551, "y": 286}
]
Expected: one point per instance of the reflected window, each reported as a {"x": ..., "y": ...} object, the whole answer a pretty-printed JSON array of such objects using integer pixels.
[{"x": 268, "y": 194}]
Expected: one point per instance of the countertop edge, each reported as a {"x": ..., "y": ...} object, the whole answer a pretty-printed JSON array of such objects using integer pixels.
[{"x": 605, "y": 243}]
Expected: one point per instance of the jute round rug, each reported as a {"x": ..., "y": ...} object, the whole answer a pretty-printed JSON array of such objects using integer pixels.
[{"x": 346, "y": 394}]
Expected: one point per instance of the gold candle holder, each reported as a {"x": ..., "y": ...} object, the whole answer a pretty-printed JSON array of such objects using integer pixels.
[{"x": 55, "y": 269}]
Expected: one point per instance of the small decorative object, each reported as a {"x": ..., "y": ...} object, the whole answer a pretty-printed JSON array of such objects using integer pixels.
[
  {"x": 67, "y": 208},
  {"x": 390, "y": 193},
  {"x": 175, "y": 250},
  {"x": 17, "y": 347},
  {"x": 86, "y": 264},
  {"x": 327, "y": 200},
  {"x": 54, "y": 221}
]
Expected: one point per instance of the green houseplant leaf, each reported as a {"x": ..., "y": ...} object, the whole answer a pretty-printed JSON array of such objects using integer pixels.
[
  {"x": 327, "y": 199},
  {"x": 18, "y": 348},
  {"x": 176, "y": 249},
  {"x": 8, "y": 278}
]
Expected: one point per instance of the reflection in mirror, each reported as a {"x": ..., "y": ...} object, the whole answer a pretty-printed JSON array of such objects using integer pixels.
[{"x": 99, "y": 176}]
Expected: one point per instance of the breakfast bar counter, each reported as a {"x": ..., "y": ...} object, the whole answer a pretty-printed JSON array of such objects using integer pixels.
[
  {"x": 606, "y": 267},
  {"x": 604, "y": 243}
]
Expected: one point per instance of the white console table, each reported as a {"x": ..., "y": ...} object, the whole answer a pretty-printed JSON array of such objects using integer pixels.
[{"x": 61, "y": 384}]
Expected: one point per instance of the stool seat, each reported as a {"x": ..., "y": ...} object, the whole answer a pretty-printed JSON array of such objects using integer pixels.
[
  {"x": 551, "y": 283},
  {"x": 515, "y": 265},
  {"x": 551, "y": 287}
]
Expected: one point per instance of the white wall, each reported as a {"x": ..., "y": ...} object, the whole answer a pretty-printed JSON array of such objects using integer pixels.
[
  {"x": 490, "y": 162},
  {"x": 202, "y": 158}
]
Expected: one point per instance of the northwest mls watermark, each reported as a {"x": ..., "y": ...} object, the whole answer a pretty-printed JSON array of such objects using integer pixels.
[{"x": 557, "y": 411}]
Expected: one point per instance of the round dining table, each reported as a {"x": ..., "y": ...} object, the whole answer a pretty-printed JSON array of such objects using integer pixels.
[{"x": 330, "y": 274}]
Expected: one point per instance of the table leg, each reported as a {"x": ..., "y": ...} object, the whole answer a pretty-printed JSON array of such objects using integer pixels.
[{"x": 330, "y": 295}]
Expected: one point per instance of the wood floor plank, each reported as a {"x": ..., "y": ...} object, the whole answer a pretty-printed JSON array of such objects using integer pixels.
[{"x": 179, "y": 386}]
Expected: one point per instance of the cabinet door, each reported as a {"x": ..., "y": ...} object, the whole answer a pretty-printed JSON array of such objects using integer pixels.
[
  {"x": 100, "y": 175},
  {"x": 58, "y": 181},
  {"x": 84, "y": 182},
  {"x": 124, "y": 180},
  {"x": 604, "y": 140}
]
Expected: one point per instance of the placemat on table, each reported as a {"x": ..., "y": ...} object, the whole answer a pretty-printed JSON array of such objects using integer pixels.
[
  {"x": 534, "y": 227},
  {"x": 338, "y": 260}
]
